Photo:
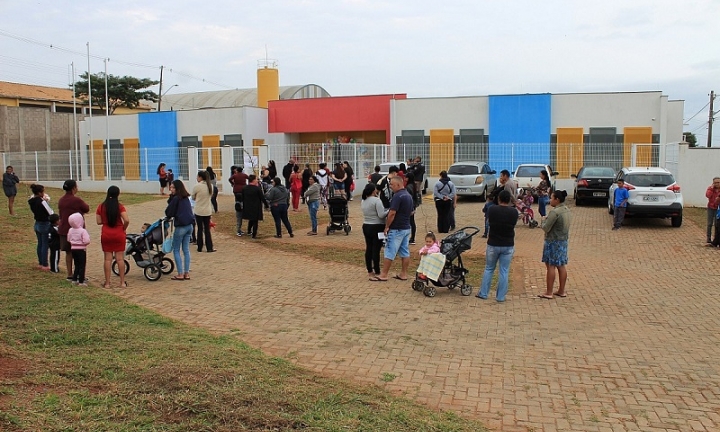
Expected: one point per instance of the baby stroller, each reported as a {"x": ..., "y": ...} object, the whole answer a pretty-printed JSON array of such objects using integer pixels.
[
  {"x": 338, "y": 207},
  {"x": 452, "y": 274},
  {"x": 524, "y": 208},
  {"x": 146, "y": 250}
]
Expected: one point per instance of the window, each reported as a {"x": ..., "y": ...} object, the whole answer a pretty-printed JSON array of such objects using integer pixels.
[
  {"x": 463, "y": 169},
  {"x": 529, "y": 171},
  {"x": 649, "y": 180}
]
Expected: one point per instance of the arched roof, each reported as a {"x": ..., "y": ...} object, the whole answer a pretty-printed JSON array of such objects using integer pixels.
[{"x": 235, "y": 98}]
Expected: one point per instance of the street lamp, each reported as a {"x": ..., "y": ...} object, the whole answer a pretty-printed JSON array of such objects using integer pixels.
[{"x": 164, "y": 93}]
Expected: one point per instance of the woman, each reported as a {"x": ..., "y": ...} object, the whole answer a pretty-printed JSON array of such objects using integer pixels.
[
  {"x": 338, "y": 177},
  {"x": 213, "y": 181},
  {"x": 180, "y": 210},
  {"x": 374, "y": 214},
  {"x": 69, "y": 204},
  {"x": 10, "y": 181},
  {"x": 41, "y": 212},
  {"x": 296, "y": 187},
  {"x": 312, "y": 198},
  {"x": 555, "y": 248},
  {"x": 306, "y": 174},
  {"x": 202, "y": 194},
  {"x": 278, "y": 198},
  {"x": 114, "y": 220},
  {"x": 444, "y": 195},
  {"x": 272, "y": 170},
  {"x": 349, "y": 179},
  {"x": 410, "y": 187},
  {"x": 543, "y": 192},
  {"x": 253, "y": 200},
  {"x": 162, "y": 176}
]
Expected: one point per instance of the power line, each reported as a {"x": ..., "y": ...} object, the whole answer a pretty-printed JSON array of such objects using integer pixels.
[{"x": 701, "y": 110}]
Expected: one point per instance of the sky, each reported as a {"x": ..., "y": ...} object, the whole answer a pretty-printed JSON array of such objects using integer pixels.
[{"x": 354, "y": 47}]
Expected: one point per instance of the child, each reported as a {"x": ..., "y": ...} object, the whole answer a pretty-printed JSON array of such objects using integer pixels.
[
  {"x": 79, "y": 239},
  {"x": 170, "y": 176},
  {"x": 54, "y": 243},
  {"x": 620, "y": 201},
  {"x": 431, "y": 247}
]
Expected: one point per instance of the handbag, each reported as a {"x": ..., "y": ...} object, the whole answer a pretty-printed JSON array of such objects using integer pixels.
[
  {"x": 352, "y": 186},
  {"x": 167, "y": 245}
]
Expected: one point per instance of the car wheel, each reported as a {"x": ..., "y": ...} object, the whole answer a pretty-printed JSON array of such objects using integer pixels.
[
  {"x": 483, "y": 195},
  {"x": 578, "y": 201},
  {"x": 676, "y": 220}
]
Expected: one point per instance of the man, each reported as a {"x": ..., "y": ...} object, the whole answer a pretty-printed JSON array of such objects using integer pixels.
[
  {"x": 386, "y": 192},
  {"x": 376, "y": 176},
  {"x": 713, "y": 195},
  {"x": 287, "y": 170},
  {"x": 509, "y": 185},
  {"x": 620, "y": 203},
  {"x": 500, "y": 246},
  {"x": 419, "y": 172},
  {"x": 238, "y": 181},
  {"x": 397, "y": 231}
]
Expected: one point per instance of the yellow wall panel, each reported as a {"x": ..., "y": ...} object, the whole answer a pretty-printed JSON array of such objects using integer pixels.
[
  {"x": 97, "y": 160},
  {"x": 442, "y": 150},
  {"x": 131, "y": 158},
  {"x": 569, "y": 153},
  {"x": 638, "y": 135},
  {"x": 216, "y": 162}
]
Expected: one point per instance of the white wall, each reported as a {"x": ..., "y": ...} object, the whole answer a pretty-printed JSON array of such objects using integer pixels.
[
  {"x": 438, "y": 113},
  {"x": 696, "y": 169},
  {"x": 607, "y": 110},
  {"x": 675, "y": 112},
  {"x": 215, "y": 121}
]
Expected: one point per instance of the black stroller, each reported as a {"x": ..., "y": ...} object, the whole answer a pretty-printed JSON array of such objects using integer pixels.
[
  {"x": 338, "y": 207},
  {"x": 146, "y": 250},
  {"x": 452, "y": 274}
]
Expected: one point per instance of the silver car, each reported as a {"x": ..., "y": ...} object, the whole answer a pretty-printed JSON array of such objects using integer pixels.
[{"x": 472, "y": 178}]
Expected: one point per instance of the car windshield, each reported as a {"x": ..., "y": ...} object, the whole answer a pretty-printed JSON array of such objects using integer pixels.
[
  {"x": 385, "y": 167},
  {"x": 649, "y": 180},
  {"x": 529, "y": 171},
  {"x": 598, "y": 172},
  {"x": 464, "y": 169}
]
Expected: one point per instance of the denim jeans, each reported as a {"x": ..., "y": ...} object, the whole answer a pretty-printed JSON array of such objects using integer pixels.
[
  {"x": 543, "y": 201},
  {"x": 42, "y": 231},
  {"x": 493, "y": 254},
  {"x": 313, "y": 209},
  {"x": 181, "y": 239}
]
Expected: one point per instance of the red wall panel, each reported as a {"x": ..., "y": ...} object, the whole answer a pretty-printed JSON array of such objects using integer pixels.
[{"x": 333, "y": 114}]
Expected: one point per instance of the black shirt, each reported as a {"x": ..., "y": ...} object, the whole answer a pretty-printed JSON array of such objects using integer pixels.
[{"x": 502, "y": 220}]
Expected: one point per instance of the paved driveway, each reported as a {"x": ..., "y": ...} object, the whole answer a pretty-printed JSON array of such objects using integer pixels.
[{"x": 634, "y": 346}]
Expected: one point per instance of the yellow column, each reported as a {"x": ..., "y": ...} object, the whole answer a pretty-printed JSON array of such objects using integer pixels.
[
  {"x": 442, "y": 150},
  {"x": 99, "y": 159},
  {"x": 210, "y": 141},
  {"x": 569, "y": 151},
  {"x": 131, "y": 158},
  {"x": 638, "y": 135}
]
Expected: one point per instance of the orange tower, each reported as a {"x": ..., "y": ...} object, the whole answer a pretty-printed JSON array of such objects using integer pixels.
[{"x": 268, "y": 82}]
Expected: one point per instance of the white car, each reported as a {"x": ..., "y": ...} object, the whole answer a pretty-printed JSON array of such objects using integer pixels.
[
  {"x": 653, "y": 193},
  {"x": 527, "y": 176}
]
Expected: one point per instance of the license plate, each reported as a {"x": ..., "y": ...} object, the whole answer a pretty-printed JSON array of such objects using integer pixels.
[
  {"x": 651, "y": 198},
  {"x": 599, "y": 194},
  {"x": 462, "y": 190}
]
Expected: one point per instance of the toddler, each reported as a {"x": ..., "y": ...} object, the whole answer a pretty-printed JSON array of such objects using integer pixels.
[
  {"x": 79, "y": 240},
  {"x": 431, "y": 247},
  {"x": 54, "y": 243}
]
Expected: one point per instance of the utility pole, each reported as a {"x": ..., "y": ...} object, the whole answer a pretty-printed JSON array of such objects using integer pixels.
[
  {"x": 710, "y": 120},
  {"x": 160, "y": 91}
]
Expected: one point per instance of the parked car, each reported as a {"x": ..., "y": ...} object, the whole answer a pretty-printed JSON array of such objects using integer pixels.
[
  {"x": 385, "y": 169},
  {"x": 592, "y": 183},
  {"x": 472, "y": 178},
  {"x": 653, "y": 193},
  {"x": 528, "y": 176}
]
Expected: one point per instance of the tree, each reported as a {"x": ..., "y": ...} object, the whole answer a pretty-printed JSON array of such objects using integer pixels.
[
  {"x": 123, "y": 91},
  {"x": 690, "y": 138}
]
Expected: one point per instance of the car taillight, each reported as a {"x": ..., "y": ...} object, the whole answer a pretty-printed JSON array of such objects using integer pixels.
[
  {"x": 583, "y": 183},
  {"x": 479, "y": 180},
  {"x": 628, "y": 186},
  {"x": 674, "y": 187}
]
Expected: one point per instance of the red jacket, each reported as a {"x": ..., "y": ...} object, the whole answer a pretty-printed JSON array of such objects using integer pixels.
[{"x": 713, "y": 196}]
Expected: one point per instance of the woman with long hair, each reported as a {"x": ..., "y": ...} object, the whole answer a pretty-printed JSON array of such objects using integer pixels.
[
  {"x": 114, "y": 220},
  {"x": 162, "y": 176},
  {"x": 278, "y": 198},
  {"x": 296, "y": 187},
  {"x": 202, "y": 194},
  {"x": 41, "y": 212},
  {"x": 272, "y": 170},
  {"x": 180, "y": 210},
  {"x": 374, "y": 214},
  {"x": 213, "y": 181},
  {"x": 338, "y": 178}
]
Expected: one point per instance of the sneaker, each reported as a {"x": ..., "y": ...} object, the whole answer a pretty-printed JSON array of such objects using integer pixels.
[
  {"x": 70, "y": 279},
  {"x": 311, "y": 233},
  {"x": 292, "y": 235},
  {"x": 412, "y": 242},
  {"x": 239, "y": 234},
  {"x": 278, "y": 236},
  {"x": 82, "y": 284}
]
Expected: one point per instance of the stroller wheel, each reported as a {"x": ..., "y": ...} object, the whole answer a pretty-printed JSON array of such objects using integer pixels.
[
  {"x": 429, "y": 291},
  {"x": 116, "y": 267},
  {"x": 466, "y": 289},
  {"x": 533, "y": 223},
  {"x": 327, "y": 231},
  {"x": 418, "y": 286},
  {"x": 347, "y": 229},
  {"x": 152, "y": 272},
  {"x": 167, "y": 266}
]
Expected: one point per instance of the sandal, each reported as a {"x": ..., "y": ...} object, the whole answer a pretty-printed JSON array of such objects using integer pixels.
[
  {"x": 177, "y": 278},
  {"x": 187, "y": 277},
  {"x": 106, "y": 286}
]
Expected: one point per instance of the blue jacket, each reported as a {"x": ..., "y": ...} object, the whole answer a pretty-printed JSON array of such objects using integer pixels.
[
  {"x": 621, "y": 194},
  {"x": 180, "y": 209}
]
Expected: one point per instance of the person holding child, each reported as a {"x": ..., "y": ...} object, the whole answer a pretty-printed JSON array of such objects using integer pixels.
[
  {"x": 41, "y": 212},
  {"x": 431, "y": 247},
  {"x": 79, "y": 240},
  {"x": 114, "y": 220},
  {"x": 68, "y": 204}
]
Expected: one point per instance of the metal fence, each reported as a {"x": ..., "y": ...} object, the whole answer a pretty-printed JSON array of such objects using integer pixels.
[{"x": 117, "y": 163}]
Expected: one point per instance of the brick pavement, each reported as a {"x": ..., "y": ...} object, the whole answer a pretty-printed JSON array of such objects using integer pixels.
[{"x": 633, "y": 346}]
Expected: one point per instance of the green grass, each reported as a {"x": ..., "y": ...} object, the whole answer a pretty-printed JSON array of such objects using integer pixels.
[{"x": 76, "y": 358}]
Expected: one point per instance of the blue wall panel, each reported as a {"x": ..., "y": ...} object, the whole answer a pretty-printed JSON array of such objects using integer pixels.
[
  {"x": 158, "y": 142},
  {"x": 521, "y": 120}
]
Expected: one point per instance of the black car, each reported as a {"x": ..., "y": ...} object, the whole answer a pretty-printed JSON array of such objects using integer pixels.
[{"x": 593, "y": 183}]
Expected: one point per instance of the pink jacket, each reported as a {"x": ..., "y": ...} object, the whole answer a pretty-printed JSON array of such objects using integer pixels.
[
  {"x": 435, "y": 248},
  {"x": 77, "y": 236}
]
